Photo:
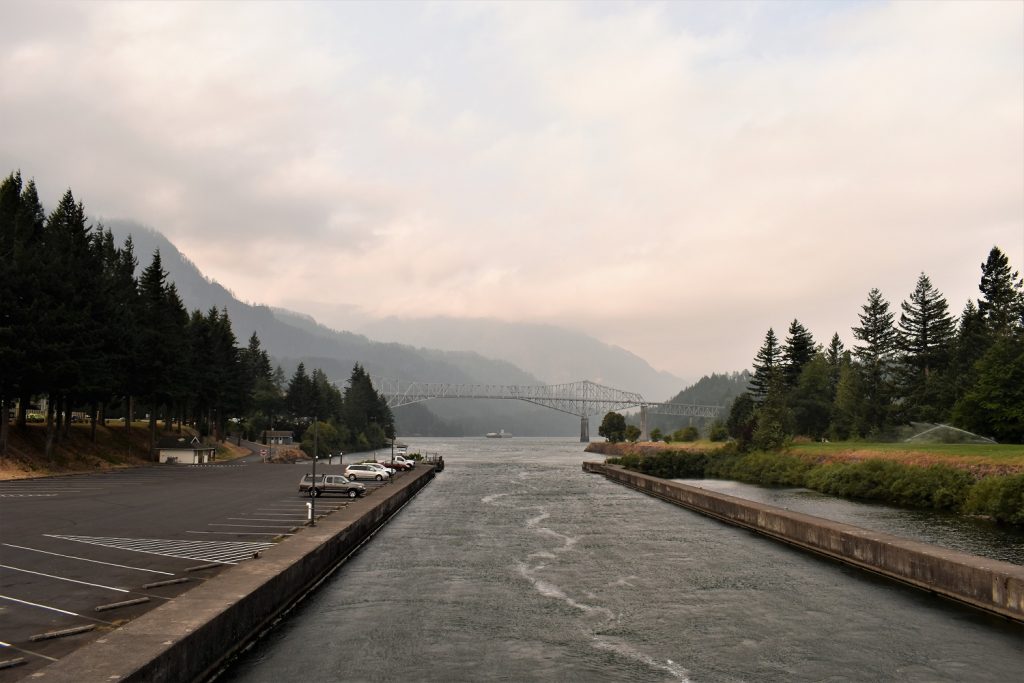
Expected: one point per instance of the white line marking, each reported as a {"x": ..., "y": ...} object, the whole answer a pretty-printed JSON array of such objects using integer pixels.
[
  {"x": 28, "y": 652},
  {"x": 35, "y": 604},
  {"x": 83, "y": 559},
  {"x": 61, "y": 578},
  {"x": 255, "y": 525},
  {"x": 214, "y": 551},
  {"x": 242, "y": 533},
  {"x": 264, "y": 519}
]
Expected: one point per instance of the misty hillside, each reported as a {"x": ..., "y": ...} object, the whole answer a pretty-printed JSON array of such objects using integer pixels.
[
  {"x": 553, "y": 354},
  {"x": 714, "y": 390},
  {"x": 291, "y": 338}
]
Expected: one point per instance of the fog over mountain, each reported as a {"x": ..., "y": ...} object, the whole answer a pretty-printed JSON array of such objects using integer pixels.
[
  {"x": 292, "y": 337},
  {"x": 553, "y": 354}
]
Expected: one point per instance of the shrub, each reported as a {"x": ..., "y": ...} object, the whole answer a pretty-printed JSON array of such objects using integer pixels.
[{"x": 1001, "y": 498}]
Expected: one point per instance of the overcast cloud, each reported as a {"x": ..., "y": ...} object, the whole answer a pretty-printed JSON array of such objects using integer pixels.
[{"x": 672, "y": 178}]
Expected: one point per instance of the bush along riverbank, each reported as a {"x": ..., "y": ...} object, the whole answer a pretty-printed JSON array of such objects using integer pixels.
[{"x": 937, "y": 486}]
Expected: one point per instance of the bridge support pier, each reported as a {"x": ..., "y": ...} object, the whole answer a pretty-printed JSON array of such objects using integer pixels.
[
  {"x": 584, "y": 429},
  {"x": 645, "y": 432}
]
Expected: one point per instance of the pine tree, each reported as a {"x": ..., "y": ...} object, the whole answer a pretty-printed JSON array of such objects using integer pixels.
[
  {"x": 875, "y": 356},
  {"x": 796, "y": 353},
  {"x": 834, "y": 358},
  {"x": 925, "y": 340},
  {"x": 1002, "y": 295},
  {"x": 766, "y": 366},
  {"x": 848, "y": 419}
]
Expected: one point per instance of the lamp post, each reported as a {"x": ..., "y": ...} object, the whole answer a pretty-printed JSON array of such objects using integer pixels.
[{"x": 312, "y": 515}]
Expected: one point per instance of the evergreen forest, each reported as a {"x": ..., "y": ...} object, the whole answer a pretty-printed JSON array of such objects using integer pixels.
[
  {"x": 917, "y": 363},
  {"x": 88, "y": 335}
]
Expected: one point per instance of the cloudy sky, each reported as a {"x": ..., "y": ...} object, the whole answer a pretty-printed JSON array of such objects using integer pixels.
[{"x": 672, "y": 178}]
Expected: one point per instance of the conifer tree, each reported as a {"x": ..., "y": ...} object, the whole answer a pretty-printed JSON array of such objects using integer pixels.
[
  {"x": 875, "y": 356},
  {"x": 834, "y": 358},
  {"x": 796, "y": 353},
  {"x": 766, "y": 366},
  {"x": 925, "y": 339},
  {"x": 1002, "y": 295}
]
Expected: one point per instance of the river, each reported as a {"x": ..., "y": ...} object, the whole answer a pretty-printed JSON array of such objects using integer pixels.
[{"x": 514, "y": 565}]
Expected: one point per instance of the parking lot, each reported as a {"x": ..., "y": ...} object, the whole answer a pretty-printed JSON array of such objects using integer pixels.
[{"x": 80, "y": 555}]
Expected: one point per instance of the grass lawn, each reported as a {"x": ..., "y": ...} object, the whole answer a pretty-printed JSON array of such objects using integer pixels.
[{"x": 994, "y": 455}]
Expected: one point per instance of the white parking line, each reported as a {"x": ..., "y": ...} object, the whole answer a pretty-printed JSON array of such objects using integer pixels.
[
  {"x": 263, "y": 519},
  {"x": 61, "y": 578},
  {"x": 242, "y": 533},
  {"x": 83, "y": 559},
  {"x": 36, "y": 604},
  {"x": 28, "y": 652},
  {"x": 255, "y": 525}
]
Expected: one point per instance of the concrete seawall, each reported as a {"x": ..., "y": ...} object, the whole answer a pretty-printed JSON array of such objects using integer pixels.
[
  {"x": 193, "y": 635},
  {"x": 990, "y": 585}
]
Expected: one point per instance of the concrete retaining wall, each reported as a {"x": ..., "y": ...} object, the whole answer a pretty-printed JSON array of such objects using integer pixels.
[
  {"x": 991, "y": 585},
  {"x": 193, "y": 635}
]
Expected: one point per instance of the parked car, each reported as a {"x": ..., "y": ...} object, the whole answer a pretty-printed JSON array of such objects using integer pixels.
[
  {"x": 330, "y": 483},
  {"x": 364, "y": 471},
  {"x": 390, "y": 471},
  {"x": 400, "y": 463}
]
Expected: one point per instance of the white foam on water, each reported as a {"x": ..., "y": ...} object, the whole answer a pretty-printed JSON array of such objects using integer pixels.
[
  {"x": 487, "y": 500},
  {"x": 625, "y": 650}
]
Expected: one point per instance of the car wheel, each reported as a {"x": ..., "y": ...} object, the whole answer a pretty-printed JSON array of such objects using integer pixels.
[
  {"x": 351, "y": 477},
  {"x": 380, "y": 478},
  {"x": 352, "y": 493},
  {"x": 313, "y": 493}
]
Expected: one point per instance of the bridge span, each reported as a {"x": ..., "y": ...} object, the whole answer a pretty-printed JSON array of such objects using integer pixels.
[{"x": 583, "y": 399}]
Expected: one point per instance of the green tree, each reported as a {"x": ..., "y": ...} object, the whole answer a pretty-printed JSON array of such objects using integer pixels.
[
  {"x": 632, "y": 433},
  {"x": 875, "y": 355},
  {"x": 834, "y": 358},
  {"x": 1002, "y": 299},
  {"x": 848, "y": 420},
  {"x": 656, "y": 434},
  {"x": 772, "y": 418},
  {"x": 812, "y": 400},
  {"x": 925, "y": 340},
  {"x": 613, "y": 427},
  {"x": 766, "y": 366},
  {"x": 742, "y": 419},
  {"x": 797, "y": 352},
  {"x": 994, "y": 406}
]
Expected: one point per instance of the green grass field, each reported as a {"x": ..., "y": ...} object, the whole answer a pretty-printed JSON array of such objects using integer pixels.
[{"x": 988, "y": 454}]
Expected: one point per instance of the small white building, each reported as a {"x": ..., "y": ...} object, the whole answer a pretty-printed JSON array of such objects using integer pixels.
[
  {"x": 184, "y": 450},
  {"x": 277, "y": 438}
]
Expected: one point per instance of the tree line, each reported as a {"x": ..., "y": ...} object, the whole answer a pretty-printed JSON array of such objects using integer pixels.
[
  {"x": 924, "y": 366},
  {"x": 80, "y": 329}
]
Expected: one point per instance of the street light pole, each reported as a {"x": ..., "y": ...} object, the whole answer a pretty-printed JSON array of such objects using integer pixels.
[{"x": 312, "y": 520}]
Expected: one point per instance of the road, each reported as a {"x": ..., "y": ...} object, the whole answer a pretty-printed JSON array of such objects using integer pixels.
[{"x": 72, "y": 544}]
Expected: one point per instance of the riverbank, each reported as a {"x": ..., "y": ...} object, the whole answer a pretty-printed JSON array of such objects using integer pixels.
[
  {"x": 195, "y": 634},
  {"x": 990, "y": 585},
  {"x": 906, "y": 482}
]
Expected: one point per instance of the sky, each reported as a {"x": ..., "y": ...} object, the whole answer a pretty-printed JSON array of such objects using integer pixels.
[{"x": 671, "y": 178}]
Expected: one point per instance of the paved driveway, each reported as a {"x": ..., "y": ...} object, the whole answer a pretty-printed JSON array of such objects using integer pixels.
[{"x": 86, "y": 553}]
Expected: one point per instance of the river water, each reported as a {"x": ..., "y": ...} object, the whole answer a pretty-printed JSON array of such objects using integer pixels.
[{"x": 514, "y": 565}]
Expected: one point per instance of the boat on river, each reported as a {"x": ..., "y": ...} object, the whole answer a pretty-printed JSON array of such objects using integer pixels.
[{"x": 498, "y": 435}]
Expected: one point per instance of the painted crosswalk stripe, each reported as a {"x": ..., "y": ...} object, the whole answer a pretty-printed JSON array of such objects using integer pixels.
[
  {"x": 224, "y": 552},
  {"x": 85, "y": 559}
]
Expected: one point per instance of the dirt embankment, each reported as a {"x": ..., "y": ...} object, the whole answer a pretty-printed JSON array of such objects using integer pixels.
[{"x": 78, "y": 453}]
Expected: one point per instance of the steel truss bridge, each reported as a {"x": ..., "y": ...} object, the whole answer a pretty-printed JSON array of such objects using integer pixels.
[{"x": 582, "y": 399}]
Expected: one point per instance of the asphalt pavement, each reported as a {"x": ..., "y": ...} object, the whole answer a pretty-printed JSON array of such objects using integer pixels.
[{"x": 82, "y": 554}]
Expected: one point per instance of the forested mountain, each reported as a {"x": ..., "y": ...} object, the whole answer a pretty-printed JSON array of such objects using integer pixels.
[
  {"x": 292, "y": 338},
  {"x": 553, "y": 354},
  {"x": 714, "y": 390}
]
